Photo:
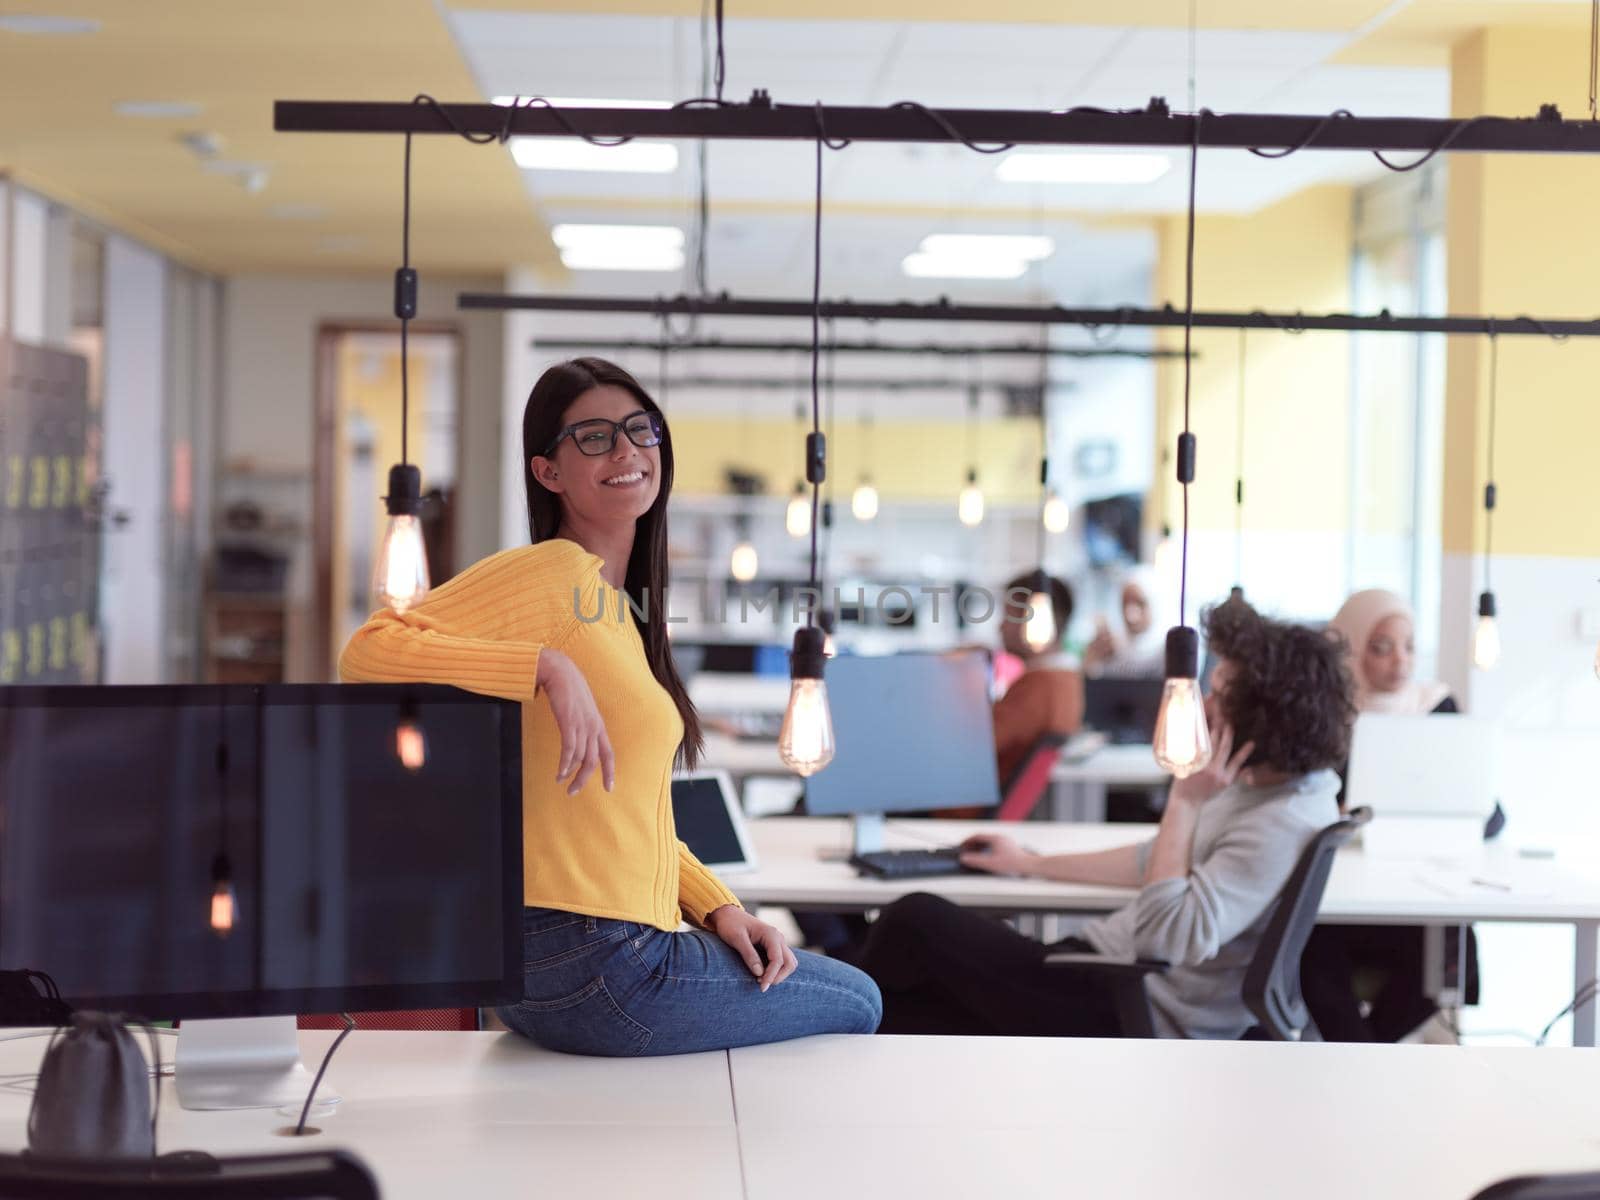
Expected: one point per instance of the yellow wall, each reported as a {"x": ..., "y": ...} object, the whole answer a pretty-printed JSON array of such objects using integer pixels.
[
  {"x": 909, "y": 460},
  {"x": 1292, "y": 256},
  {"x": 1523, "y": 238}
]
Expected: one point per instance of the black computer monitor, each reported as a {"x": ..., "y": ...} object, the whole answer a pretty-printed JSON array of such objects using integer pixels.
[
  {"x": 358, "y": 882},
  {"x": 1123, "y": 709},
  {"x": 912, "y": 732}
]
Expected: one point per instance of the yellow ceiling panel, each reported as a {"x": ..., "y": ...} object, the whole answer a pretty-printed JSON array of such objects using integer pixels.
[{"x": 59, "y": 130}]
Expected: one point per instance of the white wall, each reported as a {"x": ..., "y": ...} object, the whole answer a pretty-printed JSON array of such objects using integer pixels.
[
  {"x": 29, "y": 224},
  {"x": 135, "y": 456}
]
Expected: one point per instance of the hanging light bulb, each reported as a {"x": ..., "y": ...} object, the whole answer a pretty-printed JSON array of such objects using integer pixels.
[
  {"x": 797, "y": 519},
  {"x": 1040, "y": 631},
  {"x": 1057, "y": 515},
  {"x": 224, "y": 904},
  {"x": 1486, "y": 638},
  {"x": 969, "y": 507},
  {"x": 410, "y": 742},
  {"x": 1182, "y": 741},
  {"x": 805, "y": 742},
  {"x": 400, "y": 576},
  {"x": 743, "y": 563},
  {"x": 864, "y": 500}
]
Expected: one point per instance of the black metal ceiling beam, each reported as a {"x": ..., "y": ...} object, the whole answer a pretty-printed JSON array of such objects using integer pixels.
[
  {"x": 921, "y": 349},
  {"x": 802, "y": 384},
  {"x": 1167, "y": 317},
  {"x": 760, "y": 119}
]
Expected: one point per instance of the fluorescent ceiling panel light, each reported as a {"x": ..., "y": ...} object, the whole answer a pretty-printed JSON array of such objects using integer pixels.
[
  {"x": 583, "y": 102},
  {"x": 59, "y": 26},
  {"x": 1026, "y": 247},
  {"x": 575, "y": 154},
  {"x": 622, "y": 258},
  {"x": 340, "y": 243},
  {"x": 297, "y": 212},
  {"x": 155, "y": 109},
  {"x": 1056, "y": 167},
  {"x": 632, "y": 237},
  {"x": 934, "y": 266}
]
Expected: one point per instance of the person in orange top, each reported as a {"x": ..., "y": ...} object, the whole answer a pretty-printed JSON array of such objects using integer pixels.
[
  {"x": 1048, "y": 696},
  {"x": 574, "y": 627}
]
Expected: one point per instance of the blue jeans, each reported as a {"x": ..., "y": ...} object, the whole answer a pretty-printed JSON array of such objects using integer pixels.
[{"x": 596, "y": 986}]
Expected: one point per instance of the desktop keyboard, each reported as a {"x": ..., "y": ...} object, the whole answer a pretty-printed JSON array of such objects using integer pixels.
[{"x": 910, "y": 864}]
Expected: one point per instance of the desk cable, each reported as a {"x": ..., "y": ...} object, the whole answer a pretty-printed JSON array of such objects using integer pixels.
[{"x": 349, "y": 1027}]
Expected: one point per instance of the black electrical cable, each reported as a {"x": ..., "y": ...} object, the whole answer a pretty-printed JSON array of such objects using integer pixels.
[
  {"x": 1594, "y": 59},
  {"x": 722, "y": 64},
  {"x": 405, "y": 265},
  {"x": 816, "y": 357},
  {"x": 1238, "y": 479},
  {"x": 1188, "y": 332},
  {"x": 349, "y": 1027},
  {"x": 1489, "y": 493}
]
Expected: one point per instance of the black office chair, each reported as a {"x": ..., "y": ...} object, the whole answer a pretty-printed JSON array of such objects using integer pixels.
[
  {"x": 318, "y": 1175},
  {"x": 1272, "y": 981},
  {"x": 1585, "y": 1186}
]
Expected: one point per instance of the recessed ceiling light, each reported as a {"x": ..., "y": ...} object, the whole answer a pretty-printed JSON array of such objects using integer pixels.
[
  {"x": 1031, "y": 167},
  {"x": 619, "y": 247},
  {"x": 582, "y": 102},
  {"x": 203, "y": 143},
  {"x": 340, "y": 243},
  {"x": 569, "y": 236},
  {"x": 59, "y": 26},
  {"x": 934, "y": 266},
  {"x": 155, "y": 109},
  {"x": 298, "y": 212},
  {"x": 575, "y": 154},
  {"x": 1025, "y": 246}
]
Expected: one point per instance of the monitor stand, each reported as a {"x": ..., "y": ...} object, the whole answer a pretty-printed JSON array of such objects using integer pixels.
[
  {"x": 242, "y": 1062},
  {"x": 866, "y": 837}
]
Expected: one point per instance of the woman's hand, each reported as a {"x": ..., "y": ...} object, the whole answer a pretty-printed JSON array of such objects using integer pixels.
[
  {"x": 996, "y": 853},
  {"x": 745, "y": 933},
  {"x": 1218, "y": 774},
  {"x": 584, "y": 744}
]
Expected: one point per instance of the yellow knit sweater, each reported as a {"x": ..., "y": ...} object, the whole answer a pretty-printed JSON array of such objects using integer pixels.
[{"x": 605, "y": 854}]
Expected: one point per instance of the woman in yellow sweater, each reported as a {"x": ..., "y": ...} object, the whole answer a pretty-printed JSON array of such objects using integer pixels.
[{"x": 574, "y": 627}]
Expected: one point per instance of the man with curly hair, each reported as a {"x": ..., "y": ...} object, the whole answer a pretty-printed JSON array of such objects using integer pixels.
[{"x": 1281, "y": 710}]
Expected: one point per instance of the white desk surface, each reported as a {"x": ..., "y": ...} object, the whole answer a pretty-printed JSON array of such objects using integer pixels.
[
  {"x": 1361, "y": 889},
  {"x": 475, "y": 1114},
  {"x": 961, "y": 1117},
  {"x": 470, "y": 1114}
]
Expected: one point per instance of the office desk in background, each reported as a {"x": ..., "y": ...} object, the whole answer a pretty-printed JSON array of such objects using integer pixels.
[
  {"x": 1495, "y": 884},
  {"x": 1078, "y": 787},
  {"x": 486, "y": 1114}
]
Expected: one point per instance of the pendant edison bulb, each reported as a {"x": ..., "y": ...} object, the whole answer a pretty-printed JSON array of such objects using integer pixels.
[
  {"x": 400, "y": 577},
  {"x": 1040, "y": 630},
  {"x": 1057, "y": 515},
  {"x": 1182, "y": 741},
  {"x": 797, "y": 518},
  {"x": 969, "y": 506},
  {"x": 743, "y": 563},
  {"x": 410, "y": 744},
  {"x": 864, "y": 501},
  {"x": 805, "y": 741}
]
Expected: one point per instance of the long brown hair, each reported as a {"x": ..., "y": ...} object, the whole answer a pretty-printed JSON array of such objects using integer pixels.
[{"x": 646, "y": 579}]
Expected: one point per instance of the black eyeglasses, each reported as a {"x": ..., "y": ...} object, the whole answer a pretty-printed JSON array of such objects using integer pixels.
[{"x": 599, "y": 436}]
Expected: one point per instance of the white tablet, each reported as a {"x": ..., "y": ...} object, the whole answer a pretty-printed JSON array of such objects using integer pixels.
[{"x": 707, "y": 814}]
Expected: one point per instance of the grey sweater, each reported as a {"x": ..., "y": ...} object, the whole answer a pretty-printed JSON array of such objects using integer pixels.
[{"x": 1207, "y": 924}]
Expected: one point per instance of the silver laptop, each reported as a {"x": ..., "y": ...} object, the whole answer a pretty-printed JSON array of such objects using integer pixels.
[
  {"x": 707, "y": 814},
  {"x": 1431, "y": 781}
]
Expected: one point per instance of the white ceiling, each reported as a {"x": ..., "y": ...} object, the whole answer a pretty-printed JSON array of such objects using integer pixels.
[{"x": 761, "y": 237}]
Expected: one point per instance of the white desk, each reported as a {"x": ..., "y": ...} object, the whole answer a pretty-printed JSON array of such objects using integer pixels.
[
  {"x": 961, "y": 1117},
  {"x": 476, "y": 1114},
  {"x": 1361, "y": 891},
  {"x": 1078, "y": 788},
  {"x": 469, "y": 1115}
]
